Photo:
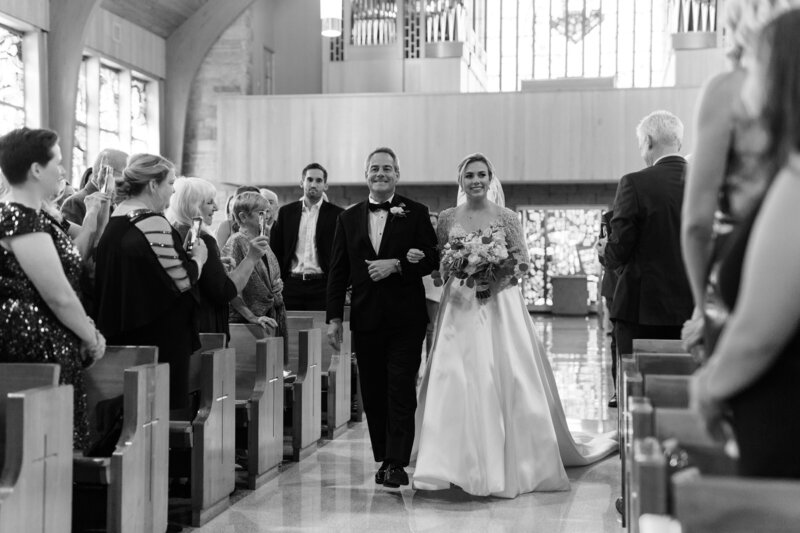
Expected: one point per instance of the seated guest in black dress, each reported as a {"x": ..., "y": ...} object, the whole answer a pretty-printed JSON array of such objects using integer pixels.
[
  {"x": 755, "y": 366},
  {"x": 145, "y": 290},
  {"x": 41, "y": 318},
  {"x": 196, "y": 197}
]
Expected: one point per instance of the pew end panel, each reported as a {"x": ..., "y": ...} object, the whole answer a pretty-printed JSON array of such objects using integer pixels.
[
  {"x": 36, "y": 474},
  {"x": 259, "y": 401},
  {"x": 294, "y": 325},
  {"x": 140, "y": 502},
  {"x": 338, "y": 392},
  {"x": 307, "y": 396},
  {"x": 213, "y": 437},
  {"x": 265, "y": 414},
  {"x": 133, "y": 478},
  {"x": 16, "y": 377}
]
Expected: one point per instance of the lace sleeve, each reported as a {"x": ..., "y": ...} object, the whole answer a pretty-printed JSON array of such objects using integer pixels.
[
  {"x": 515, "y": 239},
  {"x": 443, "y": 226}
]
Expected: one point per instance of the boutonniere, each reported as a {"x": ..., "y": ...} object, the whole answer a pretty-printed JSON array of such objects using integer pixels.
[{"x": 398, "y": 210}]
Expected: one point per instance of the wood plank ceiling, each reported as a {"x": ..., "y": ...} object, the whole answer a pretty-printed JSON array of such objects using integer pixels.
[{"x": 161, "y": 17}]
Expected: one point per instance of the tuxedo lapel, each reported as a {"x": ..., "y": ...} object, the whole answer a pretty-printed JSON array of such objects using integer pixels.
[
  {"x": 392, "y": 222},
  {"x": 364, "y": 224}
]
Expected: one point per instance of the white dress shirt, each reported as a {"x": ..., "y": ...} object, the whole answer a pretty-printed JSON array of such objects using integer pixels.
[
  {"x": 377, "y": 223},
  {"x": 306, "y": 260}
]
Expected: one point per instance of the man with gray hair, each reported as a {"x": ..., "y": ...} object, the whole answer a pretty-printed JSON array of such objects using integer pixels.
[{"x": 652, "y": 298}]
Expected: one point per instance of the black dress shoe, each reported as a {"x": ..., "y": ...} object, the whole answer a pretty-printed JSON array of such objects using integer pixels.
[
  {"x": 613, "y": 401},
  {"x": 395, "y": 477},
  {"x": 380, "y": 475}
]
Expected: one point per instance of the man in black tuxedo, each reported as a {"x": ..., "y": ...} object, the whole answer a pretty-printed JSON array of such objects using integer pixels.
[
  {"x": 607, "y": 288},
  {"x": 652, "y": 298},
  {"x": 302, "y": 238},
  {"x": 388, "y": 313}
]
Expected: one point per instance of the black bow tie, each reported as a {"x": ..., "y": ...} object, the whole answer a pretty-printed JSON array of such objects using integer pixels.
[{"x": 377, "y": 207}]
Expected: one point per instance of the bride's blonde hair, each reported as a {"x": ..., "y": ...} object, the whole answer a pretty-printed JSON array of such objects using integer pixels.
[{"x": 471, "y": 158}]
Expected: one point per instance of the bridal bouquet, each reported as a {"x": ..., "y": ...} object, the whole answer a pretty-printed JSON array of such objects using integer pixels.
[{"x": 479, "y": 259}]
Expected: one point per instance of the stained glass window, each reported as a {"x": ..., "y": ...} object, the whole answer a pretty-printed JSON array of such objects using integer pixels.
[
  {"x": 561, "y": 243},
  {"x": 79, "y": 157},
  {"x": 12, "y": 81},
  {"x": 550, "y": 39},
  {"x": 139, "y": 126},
  {"x": 109, "y": 108}
]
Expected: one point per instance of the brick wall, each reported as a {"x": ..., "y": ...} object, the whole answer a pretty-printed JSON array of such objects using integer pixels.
[{"x": 227, "y": 69}]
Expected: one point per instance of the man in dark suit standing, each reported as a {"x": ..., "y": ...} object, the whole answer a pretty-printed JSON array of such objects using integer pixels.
[
  {"x": 388, "y": 313},
  {"x": 607, "y": 288},
  {"x": 652, "y": 298},
  {"x": 302, "y": 238}
]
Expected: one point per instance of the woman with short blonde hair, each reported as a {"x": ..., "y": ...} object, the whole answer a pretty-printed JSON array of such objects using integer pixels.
[{"x": 196, "y": 198}]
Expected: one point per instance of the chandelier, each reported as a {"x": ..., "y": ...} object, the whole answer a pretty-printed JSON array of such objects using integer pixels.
[
  {"x": 330, "y": 12},
  {"x": 575, "y": 25}
]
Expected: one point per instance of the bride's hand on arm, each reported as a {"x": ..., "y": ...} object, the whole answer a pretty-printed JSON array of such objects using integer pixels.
[{"x": 414, "y": 255}]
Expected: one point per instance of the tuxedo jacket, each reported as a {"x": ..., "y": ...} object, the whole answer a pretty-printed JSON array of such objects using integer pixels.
[
  {"x": 399, "y": 299},
  {"x": 284, "y": 234},
  {"x": 644, "y": 247},
  {"x": 609, "y": 283}
]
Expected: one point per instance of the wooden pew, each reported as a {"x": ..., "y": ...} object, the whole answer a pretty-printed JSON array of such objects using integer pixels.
[
  {"x": 294, "y": 325},
  {"x": 259, "y": 398},
  {"x": 337, "y": 399},
  {"x": 333, "y": 364},
  {"x": 706, "y": 496},
  {"x": 658, "y": 346},
  {"x": 684, "y": 438},
  {"x": 209, "y": 436},
  {"x": 642, "y": 374},
  {"x": 127, "y": 490},
  {"x": 35, "y": 449},
  {"x": 662, "y": 363},
  {"x": 305, "y": 398},
  {"x": 707, "y": 503}
]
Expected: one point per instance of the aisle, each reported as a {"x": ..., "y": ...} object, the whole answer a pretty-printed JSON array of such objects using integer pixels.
[{"x": 333, "y": 490}]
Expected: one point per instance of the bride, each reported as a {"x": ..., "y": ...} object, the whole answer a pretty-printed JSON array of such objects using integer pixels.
[{"x": 489, "y": 418}]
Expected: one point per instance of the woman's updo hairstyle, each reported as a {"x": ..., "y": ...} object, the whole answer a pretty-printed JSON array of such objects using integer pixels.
[{"x": 141, "y": 170}]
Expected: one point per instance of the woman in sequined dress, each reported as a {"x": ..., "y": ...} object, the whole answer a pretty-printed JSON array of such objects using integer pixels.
[{"x": 41, "y": 317}]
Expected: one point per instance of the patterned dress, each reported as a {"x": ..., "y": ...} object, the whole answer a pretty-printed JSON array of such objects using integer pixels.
[{"x": 29, "y": 331}]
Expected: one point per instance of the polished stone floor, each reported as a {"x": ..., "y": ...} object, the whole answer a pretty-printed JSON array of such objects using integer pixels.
[{"x": 333, "y": 489}]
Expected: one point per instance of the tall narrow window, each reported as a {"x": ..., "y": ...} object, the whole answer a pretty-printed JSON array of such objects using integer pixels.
[
  {"x": 12, "y": 81},
  {"x": 550, "y": 39},
  {"x": 81, "y": 113},
  {"x": 116, "y": 108},
  {"x": 139, "y": 126},
  {"x": 109, "y": 108}
]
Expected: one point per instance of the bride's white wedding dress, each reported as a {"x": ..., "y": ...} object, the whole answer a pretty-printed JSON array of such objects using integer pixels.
[{"x": 489, "y": 418}]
